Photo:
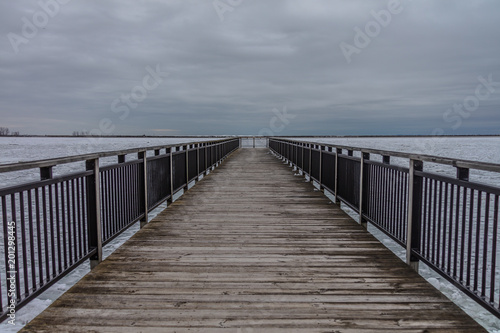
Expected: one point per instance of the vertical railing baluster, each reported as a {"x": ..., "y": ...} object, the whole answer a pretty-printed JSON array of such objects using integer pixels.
[
  {"x": 75, "y": 224},
  {"x": 79, "y": 210},
  {"x": 108, "y": 190},
  {"x": 94, "y": 212},
  {"x": 464, "y": 223},
  {"x": 84, "y": 216},
  {"x": 38, "y": 237},
  {"x": 478, "y": 237},
  {"x": 32, "y": 241},
  {"x": 63, "y": 222},
  {"x": 52, "y": 231},
  {"x": 485, "y": 245},
  {"x": 450, "y": 230},
  {"x": 68, "y": 216},
  {"x": 414, "y": 213},
  {"x": 45, "y": 234},
  {"x": 439, "y": 204},
  {"x": 494, "y": 241},
  {"x": 24, "y": 244},
  {"x": 58, "y": 228},
  {"x": 457, "y": 227},
  {"x": 434, "y": 219},
  {"x": 427, "y": 215}
]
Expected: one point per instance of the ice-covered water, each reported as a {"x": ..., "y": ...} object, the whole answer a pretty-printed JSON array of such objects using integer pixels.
[
  {"x": 17, "y": 149},
  {"x": 473, "y": 148},
  {"x": 14, "y": 149},
  {"x": 21, "y": 149}
]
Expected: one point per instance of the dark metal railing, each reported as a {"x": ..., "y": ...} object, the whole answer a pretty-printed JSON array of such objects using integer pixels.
[
  {"x": 449, "y": 223},
  {"x": 53, "y": 225}
]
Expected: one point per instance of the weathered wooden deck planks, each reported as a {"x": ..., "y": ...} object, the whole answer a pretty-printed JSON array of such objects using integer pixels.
[{"x": 253, "y": 248}]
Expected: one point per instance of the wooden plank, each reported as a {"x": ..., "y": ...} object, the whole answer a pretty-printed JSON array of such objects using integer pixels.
[{"x": 253, "y": 248}]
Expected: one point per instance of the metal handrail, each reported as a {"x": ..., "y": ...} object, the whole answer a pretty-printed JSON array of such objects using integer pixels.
[
  {"x": 52, "y": 225},
  {"x": 459, "y": 163},
  {"x": 91, "y": 156},
  {"x": 451, "y": 224}
]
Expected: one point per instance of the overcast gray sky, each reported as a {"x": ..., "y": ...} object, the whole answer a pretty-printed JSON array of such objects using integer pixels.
[{"x": 283, "y": 67}]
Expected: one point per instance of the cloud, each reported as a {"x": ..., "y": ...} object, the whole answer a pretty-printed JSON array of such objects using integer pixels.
[{"x": 226, "y": 77}]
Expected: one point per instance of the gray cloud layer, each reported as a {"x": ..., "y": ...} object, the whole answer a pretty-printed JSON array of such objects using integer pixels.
[{"x": 84, "y": 68}]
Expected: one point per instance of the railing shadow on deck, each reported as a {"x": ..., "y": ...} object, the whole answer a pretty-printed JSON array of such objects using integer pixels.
[
  {"x": 53, "y": 225},
  {"x": 450, "y": 224}
]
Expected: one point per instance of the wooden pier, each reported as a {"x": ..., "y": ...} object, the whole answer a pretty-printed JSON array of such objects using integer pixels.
[{"x": 253, "y": 248}]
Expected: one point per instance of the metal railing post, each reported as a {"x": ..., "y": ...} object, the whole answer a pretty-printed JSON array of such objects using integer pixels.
[
  {"x": 172, "y": 149},
  {"x": 167, "y": 152},
  {"x": 310, "y": 161},
  {"x": 207, "y": 151},
  {"x": 362, "y": 188},
  {"x": 338, "y": 152},
  {"x": 320, "y": 176},
  {"x": 216, "y": 146},
  {"x": 198, "y": 160},
  {"x": 46, "y": 173},
  {"x": 414, "y": 213},
  {"x": 186, "y": 151},
  {"x": 463, "y": 174},
  {"x": 94, "y": 212},
  {"x": 144, "y": 187},
  {"x": 254, "y": 141}
]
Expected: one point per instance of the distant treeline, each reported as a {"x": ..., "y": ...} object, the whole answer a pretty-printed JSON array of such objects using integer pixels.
[
  {"x": 4, "y": 131},
  {"x": 81, "y": 133}
]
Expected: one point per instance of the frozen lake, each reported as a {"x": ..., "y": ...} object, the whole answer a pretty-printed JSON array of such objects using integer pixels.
[
  {"x": 21, "y": 149},
  {"x": 480, "y": 149},
  {"x": 475, "y": 148}
]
